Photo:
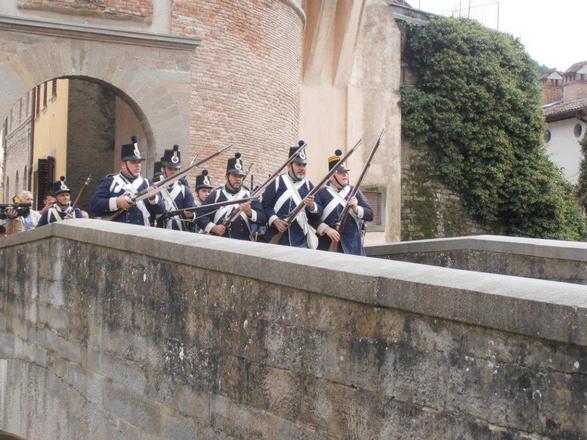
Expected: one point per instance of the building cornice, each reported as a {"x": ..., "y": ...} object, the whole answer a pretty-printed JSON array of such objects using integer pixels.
[
  {"x": 410, "y": 15},
  {"x": 295, "y": 5},
  {"x": 92, "y": 33}
]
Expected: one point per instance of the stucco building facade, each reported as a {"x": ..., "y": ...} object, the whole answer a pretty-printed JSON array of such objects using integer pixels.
[{"x": 566, "y": 118}]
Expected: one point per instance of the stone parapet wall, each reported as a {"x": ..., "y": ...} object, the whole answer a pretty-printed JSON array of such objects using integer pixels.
[
  {"x": 526, "y": 257},
  {"x": 120, "y": 332}
]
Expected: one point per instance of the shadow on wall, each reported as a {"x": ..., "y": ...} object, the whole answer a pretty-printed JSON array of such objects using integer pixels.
[{"x": 6, "y": 436}]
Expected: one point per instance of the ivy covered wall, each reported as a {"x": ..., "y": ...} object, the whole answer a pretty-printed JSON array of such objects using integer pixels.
[{"x": 474, "y": 115}]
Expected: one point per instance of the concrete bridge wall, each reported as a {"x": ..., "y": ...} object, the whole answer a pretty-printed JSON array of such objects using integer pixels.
[
  {"x": 526, "y": 257},
  {"x": 112, "y": 331}
]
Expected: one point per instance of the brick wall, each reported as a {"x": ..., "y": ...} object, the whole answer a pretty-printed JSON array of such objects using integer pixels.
[
  {"x": 119, "y": 9},
  {"x": 575, "y": 90},
  {"x": 245, "y": 79},
  {"x": 551, "y": 91}
]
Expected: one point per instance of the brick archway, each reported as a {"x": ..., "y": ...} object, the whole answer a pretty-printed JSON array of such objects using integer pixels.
[{"x": 151, "y": 75}]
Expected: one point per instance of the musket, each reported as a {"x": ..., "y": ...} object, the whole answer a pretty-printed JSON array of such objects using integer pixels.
[
  {"x": 157, "y": 187},
  {"x": 346, "y": 210},
  {"x": 173, "y": 213},
  {"x": 81, "y": 191},
  {"x": 270, "y": 179},
  {"x": 293, "y": 214}
]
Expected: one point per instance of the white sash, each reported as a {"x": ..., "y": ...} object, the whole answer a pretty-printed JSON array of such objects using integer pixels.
[
  {"x": 119, "y": 183},
  {"x": 169, "y": 201},
  {"x": 289, "y": 193},
  {"x": 53, "y": 213},
  {"x": 301, "y": 218},
  {"x": 55, "y": 210},
  {"x": 338, "y": 199},
  {"x": 223, "y": 211}
]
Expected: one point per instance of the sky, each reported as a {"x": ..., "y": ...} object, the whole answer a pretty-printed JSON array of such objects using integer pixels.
[{"x": 552, "y": 32}]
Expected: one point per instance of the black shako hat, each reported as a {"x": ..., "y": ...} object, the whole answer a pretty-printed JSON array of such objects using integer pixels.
[
  {"x": 235, "y": 165},
  {"x": 172, "y": 158},
  {"x": 301, "y": 157},
  {"x": 333, "y": 160},
  {"x": 157, "y": 171},
  {"x": 60, "y": 187},
  {"x": 203, "y": 181},
  {"x": 131, "y": 151}
]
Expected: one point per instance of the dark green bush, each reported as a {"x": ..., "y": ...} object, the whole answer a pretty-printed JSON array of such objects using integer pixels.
[{"x": 476, "y": 105}]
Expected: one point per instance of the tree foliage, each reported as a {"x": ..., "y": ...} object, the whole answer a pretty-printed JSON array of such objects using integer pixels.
[{"x": 476, "y": 105}]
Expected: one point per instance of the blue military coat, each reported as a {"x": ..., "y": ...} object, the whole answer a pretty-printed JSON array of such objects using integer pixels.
[
  {"x": 279, "y": 199},
  {"x": 56, "y": 214},
  {"x": 332, "y": 203},
  {"x": 241, "y": 227},
  {"x": 103, "y": 202},
  {"x": 178, "y": 196}
]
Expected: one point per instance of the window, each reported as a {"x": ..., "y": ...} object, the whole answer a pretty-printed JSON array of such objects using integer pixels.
[
  {"x": 547, "y": 136},
  {"x": 578, "y": 130},
  {"x": 54, "y": 88},
  {"x": 45, "y": 95},
  {"x": 37, "y": 100},
  {"x": 377, "y": 203},
  {"x": 45, "y": 176}
]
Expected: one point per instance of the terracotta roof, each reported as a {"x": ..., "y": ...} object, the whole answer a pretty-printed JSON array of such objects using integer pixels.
[
  {"x": 576, "y": 67},
  {"x": 546, "y": 74},
  {"x": 564, "y": 110}
]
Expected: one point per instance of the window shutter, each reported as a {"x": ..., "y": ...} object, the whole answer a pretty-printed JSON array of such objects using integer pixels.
[{"x": 46, "y": 175}]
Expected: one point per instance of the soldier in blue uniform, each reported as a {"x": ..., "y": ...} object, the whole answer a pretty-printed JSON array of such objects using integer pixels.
[
  {"x": 61, "y": 209},
  {"x": 178, "y": 195},
  {"x": 282, "y": 196},
  {"x": 115, "y": 191},
  {"x": 333, "y": 199},
  {"x": 203, "y": 189},
  {"x": 251, "y": 212}
]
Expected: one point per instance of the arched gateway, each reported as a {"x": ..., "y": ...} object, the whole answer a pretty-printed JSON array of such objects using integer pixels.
[{"x": 151, "y": 72}]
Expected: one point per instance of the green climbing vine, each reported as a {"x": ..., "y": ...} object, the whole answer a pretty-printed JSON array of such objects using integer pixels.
[{"x": 476, "y": 105}]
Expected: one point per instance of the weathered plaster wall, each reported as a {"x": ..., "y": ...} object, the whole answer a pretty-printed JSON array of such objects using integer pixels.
[
  {"x": 526, "y": 257},
  {"x": 350, "y": 90},
  {"x": 119, "y": 332}
]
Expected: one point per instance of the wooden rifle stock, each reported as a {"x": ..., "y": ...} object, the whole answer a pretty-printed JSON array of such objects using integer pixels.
[
  {"x": 159, "y": 186},
  {"x": 293, "y": 214},
  {"x": 345, "y": 212},
  {"x": 170, "y": 214}
]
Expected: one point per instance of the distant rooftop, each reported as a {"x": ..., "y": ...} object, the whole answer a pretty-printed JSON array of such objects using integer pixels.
[{"x": 562, "y": 110}]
